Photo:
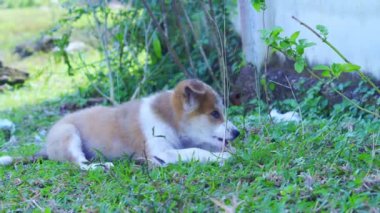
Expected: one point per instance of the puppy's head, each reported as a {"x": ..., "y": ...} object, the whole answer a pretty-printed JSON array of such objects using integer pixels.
[{"x": 201, "y": 116}]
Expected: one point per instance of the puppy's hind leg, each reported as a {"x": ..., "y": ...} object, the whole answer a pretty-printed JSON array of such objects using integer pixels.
[{"x": 64, "y": 144}]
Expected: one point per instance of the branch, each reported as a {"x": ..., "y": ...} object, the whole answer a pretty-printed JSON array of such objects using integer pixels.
[
  {"x": 324, "y": 40},
  {"x": 200, "y": 47},
  {"x": 85, "y": 66},
  {"x": 335, "y": 90},
  {"x": 147, "y": 45},
  {"x": 184, "y": 39},
  {"x": 215, "y": 36},
  {"x": 344, "y": 96},
  {"x": 105, "y": 51},
  {"x": 167, "y": 43}
]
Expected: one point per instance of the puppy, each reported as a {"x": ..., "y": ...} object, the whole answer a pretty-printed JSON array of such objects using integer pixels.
[{"x": 183, "y": 124}]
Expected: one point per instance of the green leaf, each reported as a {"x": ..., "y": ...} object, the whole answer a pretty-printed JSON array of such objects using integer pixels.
[
  {"x": 336, "y": 69},
  {"x": 350, "y": 67},
  {"x": 326, "y": 73},
  {"x": 294, "y": 36},
  {"x": 157, "y": 46},
  {"x": 284, "y": 44},
  {"x": 265, "y": 34},
  {"x": 258, "y": 5},
  {"x": 309, "y": 44},
  {"x": 300, "y": 49},
  {"x": 321, "y": 67},
  {"x": 323, "y": 30},
  {"x": 299, "y": 66},
  {"x": 263, "y": 81},
  {"x": 272, "y": 86},
  {"x": 276, "y": 31}
]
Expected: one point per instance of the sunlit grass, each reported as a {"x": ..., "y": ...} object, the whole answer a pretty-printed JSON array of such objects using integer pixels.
[
  {"x": 20, "y": 24},
  {"x": 49, "y": 78}
]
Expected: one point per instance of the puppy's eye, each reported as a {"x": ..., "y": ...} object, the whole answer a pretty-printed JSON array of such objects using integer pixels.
[{"x": 215, "y": 114}]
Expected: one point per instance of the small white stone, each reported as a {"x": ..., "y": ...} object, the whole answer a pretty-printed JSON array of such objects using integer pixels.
[
  {"x": 6, "y": 160},
  {"x": 288, "y": 116},
  {"x": 6, "y": 124}
]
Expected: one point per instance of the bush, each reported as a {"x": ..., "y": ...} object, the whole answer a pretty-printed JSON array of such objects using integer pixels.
[{"x": 137, "y": 58}]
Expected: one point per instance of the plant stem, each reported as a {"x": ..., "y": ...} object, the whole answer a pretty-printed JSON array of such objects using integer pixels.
[
  {"x": 335, "y": 90},
  {"x": 166, "y": 40},
  {"x": 104, "y": 43},
  {"x": 324, "y": 40},
  {"x": 200, "y": 47},
  {"x": 344, "y": 96}
]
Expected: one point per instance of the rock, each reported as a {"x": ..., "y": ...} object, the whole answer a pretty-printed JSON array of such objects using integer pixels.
[
  {"x": 44, "y": 44},
  {"x": 23, "y": 50},
  {"x": 76, "y": 46},
  {"x": 286, "y": 117},
  {"x": 8, "y": 128},
  {"x": 11, "y": 76}
]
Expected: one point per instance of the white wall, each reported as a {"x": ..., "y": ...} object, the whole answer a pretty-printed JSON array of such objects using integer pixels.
[{"x": 354, "y": 28}]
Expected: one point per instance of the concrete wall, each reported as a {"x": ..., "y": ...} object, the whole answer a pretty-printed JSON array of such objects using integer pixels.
[{"x": 354, "y": 28}]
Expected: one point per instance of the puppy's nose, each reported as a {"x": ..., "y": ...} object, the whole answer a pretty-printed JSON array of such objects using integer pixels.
[{"x": 235, "y": 133}]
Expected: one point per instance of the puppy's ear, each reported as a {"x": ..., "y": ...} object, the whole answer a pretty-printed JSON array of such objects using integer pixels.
[{"x": 192, "y": 91}]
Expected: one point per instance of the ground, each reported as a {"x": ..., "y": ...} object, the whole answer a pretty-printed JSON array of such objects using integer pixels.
[{"x": 319, "y": 164}]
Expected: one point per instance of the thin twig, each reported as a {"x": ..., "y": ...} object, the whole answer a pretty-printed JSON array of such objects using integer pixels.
[
  {"x": 224, "y": 70},
  {"x": 200, "y": 47},
  {"x": 147, "y": 45},
  {"x": 183, "y": 34},
  {"x": 166, "y": 40},
  {"x": 104, "y": 43},
  {"x": 324, "y": 40},
  {"x": 299, "y": 108},
  {"x": 94, "y": 85},
  {"x": 335, "y": 90},
  {"x": 345, "y": 97},
  {"x": 164, "y": 17},
  {"x": 215, "y": 34},
  {"x": 265, "y": 73},
  {"x": 278, "y": 83}
]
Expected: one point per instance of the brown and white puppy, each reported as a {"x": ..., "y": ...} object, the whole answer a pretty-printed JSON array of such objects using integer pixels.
[{"x": 181, "y": 124}]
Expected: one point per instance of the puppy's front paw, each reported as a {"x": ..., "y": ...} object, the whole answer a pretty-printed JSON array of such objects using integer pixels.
[
  {"x": 156, "y": 161},
  {"x": 221, "y": 157},
  {"x": 105, "y": 166}
]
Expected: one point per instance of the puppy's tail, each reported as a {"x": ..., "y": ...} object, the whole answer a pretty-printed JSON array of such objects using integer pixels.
[{"x": 8, "y": 160}]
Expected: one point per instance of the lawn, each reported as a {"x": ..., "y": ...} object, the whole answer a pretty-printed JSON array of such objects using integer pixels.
[
  {"x": 323, "y": 164},
  {"x": 320, "y": 164}
]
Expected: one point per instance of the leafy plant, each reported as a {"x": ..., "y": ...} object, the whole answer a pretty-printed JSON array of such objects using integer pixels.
[
  {"x": 294, "y": 49},
  {"x": 258, "y": 5},
  {"x": 145, "y": 45}
]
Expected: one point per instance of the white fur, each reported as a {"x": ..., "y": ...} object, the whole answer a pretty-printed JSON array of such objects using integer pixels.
[
  {"x": 76, "y": 151},
  {"x": 163, "y": 142},
  {"x": 158, "y": 134},
  {"x": 6, "y": 160},
  {"x": 225, "y": 130},
  {"x": 93, "y": 166}
]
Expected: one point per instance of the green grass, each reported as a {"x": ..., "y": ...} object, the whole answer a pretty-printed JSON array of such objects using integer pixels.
[
  {"x": 324, "y": 164},
  {"x": 321, "y": 164},
  {"x": 20, "y": 24},
  {"x": 49, "y": 78}
]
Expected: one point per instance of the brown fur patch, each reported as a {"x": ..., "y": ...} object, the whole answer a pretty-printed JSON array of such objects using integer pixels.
[
  {"x": 112, "y": 131},
  {"x": 207, "y": 99},
  {"x": 163, "y": 107}
]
